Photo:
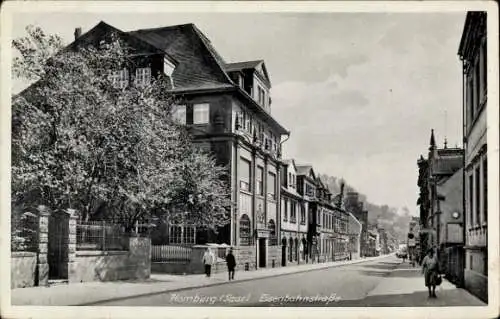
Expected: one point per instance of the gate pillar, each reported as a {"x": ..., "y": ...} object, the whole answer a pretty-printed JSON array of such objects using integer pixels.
[
  {"x": 42, "y": 266},
  {"x": 73, "y": 217}
]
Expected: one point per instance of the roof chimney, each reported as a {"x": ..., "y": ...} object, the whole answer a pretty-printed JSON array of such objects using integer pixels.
[{"x": 78, "y": 32}]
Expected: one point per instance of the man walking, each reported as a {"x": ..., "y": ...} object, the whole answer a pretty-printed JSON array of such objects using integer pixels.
[
  {"x": 208, "y": 260},
  {"x": 231, "y": 264}
]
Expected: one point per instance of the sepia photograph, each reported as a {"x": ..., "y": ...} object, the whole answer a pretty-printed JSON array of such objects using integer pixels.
[{"x": 195, "y": 158}]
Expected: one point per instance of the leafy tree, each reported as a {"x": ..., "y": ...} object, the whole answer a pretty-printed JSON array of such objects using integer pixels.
[{"x": 80, "y": 141}]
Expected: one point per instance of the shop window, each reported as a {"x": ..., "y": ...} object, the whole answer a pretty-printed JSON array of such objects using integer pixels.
[{"x": 245, "y": 231}]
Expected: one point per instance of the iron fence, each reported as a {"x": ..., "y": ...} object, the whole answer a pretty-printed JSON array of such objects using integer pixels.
[
  {"x": 101, "y": 235},
  {"x": 170, "y": 253},
  {"x": 24, "y": 232}
]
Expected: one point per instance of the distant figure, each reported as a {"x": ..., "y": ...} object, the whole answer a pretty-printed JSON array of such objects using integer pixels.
[
  {"x": 231, "y": 264},
  {"x": 430, "y": 268},
  {"x": 208, "y": 261}
]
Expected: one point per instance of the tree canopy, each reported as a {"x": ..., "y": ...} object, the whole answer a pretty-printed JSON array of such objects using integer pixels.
[{"x": 80, "y": 141}]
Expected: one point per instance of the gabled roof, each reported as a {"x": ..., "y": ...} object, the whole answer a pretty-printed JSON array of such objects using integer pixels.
[
  {"x": 290, "y": 161},
  {"x": 257, "y": 65},
  {"x": 237, "y": 66},
  {"x": 306, "y": 170},
  {"x": 103, "y": 30},
  {"x": 200, "y": 65},
  {"x": 319, "y": 182}
]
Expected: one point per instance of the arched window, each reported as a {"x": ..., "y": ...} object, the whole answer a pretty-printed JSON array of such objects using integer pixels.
[
  {"x": 273, "y": 239},
  {"x": 296, "y": 250},
  {"x": 245, "y": 231}
]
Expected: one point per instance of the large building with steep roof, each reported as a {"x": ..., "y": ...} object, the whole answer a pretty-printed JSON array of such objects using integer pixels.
[
  {"x": 473, "y": 54},
  {"x": 227, "y": 108}
]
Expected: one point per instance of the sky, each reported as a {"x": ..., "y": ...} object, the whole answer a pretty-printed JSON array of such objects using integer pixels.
[{"x": 360, "y": 92}]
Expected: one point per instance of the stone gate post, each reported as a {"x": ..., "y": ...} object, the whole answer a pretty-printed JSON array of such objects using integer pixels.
[
  {"x": 42, "y": 267},
  {"x": 73, "y": 217}
]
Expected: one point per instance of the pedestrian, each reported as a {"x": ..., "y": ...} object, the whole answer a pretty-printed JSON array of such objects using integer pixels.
[
  {"x": 231, "y": 264},
  {"x": 430, "y": 268},
  {"x": 208, "y": 260}
]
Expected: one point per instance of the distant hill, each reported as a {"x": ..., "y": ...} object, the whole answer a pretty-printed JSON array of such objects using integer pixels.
[{"x": 394, "y": 221}]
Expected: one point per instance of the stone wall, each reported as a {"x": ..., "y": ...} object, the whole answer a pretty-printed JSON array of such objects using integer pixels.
[
  {"x": 274, "y": 257},
  {"x": 245, "y": 255},
  {"x": 22, "y": 269},
  {"x": 114, "y": 265}
]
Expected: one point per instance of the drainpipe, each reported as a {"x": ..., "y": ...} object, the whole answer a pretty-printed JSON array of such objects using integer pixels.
[
  {"x": 464, "y": 132},
  {"x": 278, "y": 204}
]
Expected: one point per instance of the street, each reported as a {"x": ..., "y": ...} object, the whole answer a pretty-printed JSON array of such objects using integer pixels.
[{"x": 383, "y": 282}]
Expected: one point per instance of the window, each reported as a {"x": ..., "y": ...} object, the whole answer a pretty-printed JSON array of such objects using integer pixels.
[
  {"x": 261, "y": 96},
  {"x": 260, "y": 178},
  {"x": 245, "y": 173},
  {"x": 471, "y": 200},
  {"x": 285, "y": 210},
  {"x": 271, "y": 185},
  {"x": 485, "y": 189},
  {"x": 142, "y": 76},
  {"x": 470, "y": 101},
  {"x": 485, "y": 66},
  {"x": 181, "y": 235},
  {"x": 245, "y": 231},
  {"x": 273, "y": 239},
  {"x": 478, "y": 196},
  {"x": 477, "y": 86},
  {"x": 201, "y": 113},
  {"x": 179, "y": 113},
  {"x": 168, "y": 69},
  {"x": 119, "y": 79},
  {"x": 293, "y": 211},
  {"x": 302, "y": 215}
]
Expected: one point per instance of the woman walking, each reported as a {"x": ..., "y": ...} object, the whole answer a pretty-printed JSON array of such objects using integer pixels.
[
  {"x": 430, "y": 268},
  {"x": 208, "y": 259},
  {"x": 231, "y": 264}
]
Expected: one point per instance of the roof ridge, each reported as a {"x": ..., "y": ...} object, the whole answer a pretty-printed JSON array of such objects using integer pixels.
[
  {"x": 211, "y": 50},
  {"x": 162, "y": 28},
  {"x": 246, "y": 61}
]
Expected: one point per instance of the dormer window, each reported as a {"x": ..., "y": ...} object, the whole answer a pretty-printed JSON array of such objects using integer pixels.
[
  {"x": 261, "y": 96},
  {"x": 241, "y": 81},
  {"x": 142, "y": 77},
  {"x": 119, "y": 79},
  {"x": 168, "y": 70}
]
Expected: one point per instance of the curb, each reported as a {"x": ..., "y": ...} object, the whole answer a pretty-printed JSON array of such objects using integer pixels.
[{"x": 96, "y": 303}]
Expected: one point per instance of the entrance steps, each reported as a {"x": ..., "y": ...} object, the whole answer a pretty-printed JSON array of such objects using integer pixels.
[{"x": 57, "y": 282}]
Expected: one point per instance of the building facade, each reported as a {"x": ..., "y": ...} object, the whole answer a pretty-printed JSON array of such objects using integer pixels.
[
  {"x": 306, "y": 183},
  {"x": 294, "y": 220},
  {"x": 473, "y": 53},
  {"x": 334, "y": 222},
  {"x": 227, "y": 108},
  {"x": 413, "y": 241},
  {"x": 355, "y": 228},
  {"x": 441, "y": 202},
  {"x": 355, "y": 206}
]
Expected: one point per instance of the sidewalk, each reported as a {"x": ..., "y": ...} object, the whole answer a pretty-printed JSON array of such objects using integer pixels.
[
  {"x": 404, "y": 287},
  {"x": 92, "y": 293}
]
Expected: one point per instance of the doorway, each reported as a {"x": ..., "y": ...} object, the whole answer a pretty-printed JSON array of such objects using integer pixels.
[
  {"x": 58, "y": 239},
  {"x": 262, "y": 252},
  {"x": 283, "y": 252}
]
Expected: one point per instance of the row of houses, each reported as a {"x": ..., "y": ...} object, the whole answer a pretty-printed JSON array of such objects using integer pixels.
[
  {"x": 282, "y": 213},
  {"x": 453, "y": 182}
]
